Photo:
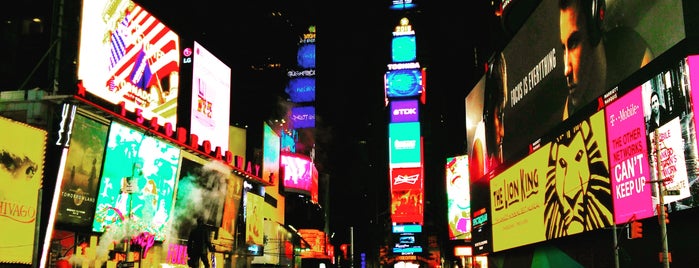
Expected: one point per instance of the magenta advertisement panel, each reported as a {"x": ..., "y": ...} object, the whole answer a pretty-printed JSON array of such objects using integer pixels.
[
  {"x": 404, "y": 111},
  {"x": 693, "y": 66},
  {"x": 630, "y": 172},
  {"x": 297, "y": 172}
]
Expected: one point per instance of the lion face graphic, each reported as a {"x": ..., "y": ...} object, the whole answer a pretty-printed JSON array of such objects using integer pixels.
[{"x": 578, "y": 196}]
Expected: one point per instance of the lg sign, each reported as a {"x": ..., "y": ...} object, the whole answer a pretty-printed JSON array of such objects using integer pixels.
[{"x": 404, "y": 111}]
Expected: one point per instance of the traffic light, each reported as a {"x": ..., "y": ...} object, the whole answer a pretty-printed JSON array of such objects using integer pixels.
[
  {"x": 343, "y": 248},
  {"x": 636, "y": 229},
  {"x": 664, "y": 212}
]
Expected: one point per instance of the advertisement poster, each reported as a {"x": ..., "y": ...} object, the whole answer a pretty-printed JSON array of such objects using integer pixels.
[
  {"x": 253, "y": 219},
  {"x": 630, "y": 172},
  {"x": 561, "y": 189},
  {"x": 536, "y": 55},
  {"x": 138, "y": 183},
  {"x": 211, "y": 97},
  {"x": 670, "y": 117},
  {"x": 201, "y": 191},
  {"x": 82, "y": 172},
  {"x": 458, "y": 198},
  {"x": 22, "y": 149},
  {"x": 667, "y": 143},
  {"x": 407, "y": 195},
  {"x": 127, "y": 55},
  {"x": 404, "y": 141}
]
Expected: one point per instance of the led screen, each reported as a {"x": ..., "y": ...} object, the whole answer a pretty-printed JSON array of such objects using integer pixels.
[
  {"x": 306, "y": 57},
  {"x": 407, "y": 195},
  {"x": 298, "y": 173},
  {"x": 405, "y": 147},
  {"x": 211, "y": 92},
  {"x": 302, "y": 89},
  {"x": 403, "y": 83},
  {"x": 303, "y": 117},
  {"x": 83, "y": 170},
  {"x": 403, "y": 48},
  {"x": 127, "y": 55},
  {"x": 458, "y": 197},
  {"x": 289, "y": 138},
  {"x": 535, "y": 64},
  {"x": 671, "y": 146},
  {"x": 402, "y": 4},
  {"x": 404, "y": 111},
  {"x": 406, "y": 228},
  {"x": 271, "y": 158},
  {"x": 562, "y": 188},
  {"x": 628, "y": 148},
  {"x": 22, "y": 148},
  {"x": 137, "y": 183}
]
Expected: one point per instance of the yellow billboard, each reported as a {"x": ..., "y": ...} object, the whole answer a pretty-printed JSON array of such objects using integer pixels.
[
  {"x": 562, "y": 188},
  {"x": 22, "y": 149}
]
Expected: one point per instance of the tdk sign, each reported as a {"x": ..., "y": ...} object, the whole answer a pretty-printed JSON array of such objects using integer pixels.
[{"x": 404, "y": 111}]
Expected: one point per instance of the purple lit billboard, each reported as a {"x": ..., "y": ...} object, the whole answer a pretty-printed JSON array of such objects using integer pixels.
[
  {"x": 301, "y": 89},
  {"x": 303, "y": 117},
  {"x": 404, "y": 111}
]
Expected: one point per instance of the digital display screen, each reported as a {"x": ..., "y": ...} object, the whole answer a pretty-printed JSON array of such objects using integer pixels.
[
  {"x": 303, "y": 117},
  {"x": 302, "y": 89},
  {"x": 403, "y": 83},
  {"x": 127, "y": 55},
  {"x": 403, "y": 48},
  {"x": 137, "y": 183},
  {"x": 211, "y": 93},
  {"x": 306, "y": 57}
]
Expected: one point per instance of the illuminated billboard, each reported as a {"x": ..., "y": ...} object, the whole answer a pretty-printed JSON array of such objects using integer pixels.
[
  {"x": 271, "y": 147},
  {"x": 403, "y": 48},
  {"x": 254, "y": 221},
  {"x": 628, "y": 150},
  {"x": 128, "y": 56},
  {"x": 301, "y": 89},
  {"x": 22, "y": 148},
  {"x": 83, "y": 170},
  {"x": 562, "y": 188},
  {"x": 137, "y": 183},
  {"x": 303, "y": 117},
  {"x": 211, "y": 93},
  {"x": 306, "y": 56},
  {"x": 298, "y": 173},
  {"x": 403, "y": 82},
  {"x": 672, "y": 150},
  {"x": 407, "y": 195},
  {"x": 535, "y": 64},
  {"x": 404, "y": 141},
  {"x": 458, "y": 197},
  {"x": 404, "y": 111}
]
